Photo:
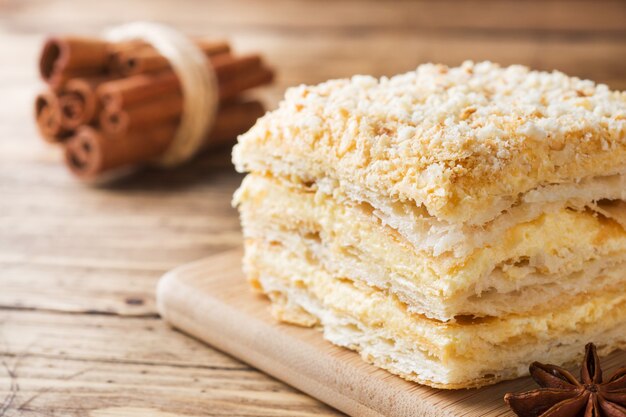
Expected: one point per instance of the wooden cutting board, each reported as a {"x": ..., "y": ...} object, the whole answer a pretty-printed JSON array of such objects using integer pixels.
[{"x": 211, "y": 300}]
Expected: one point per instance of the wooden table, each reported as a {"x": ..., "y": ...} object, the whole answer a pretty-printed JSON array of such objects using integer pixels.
[{"x": 79, "y": 333}]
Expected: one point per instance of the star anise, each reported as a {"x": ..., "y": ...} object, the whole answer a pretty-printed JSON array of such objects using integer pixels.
[{"x": 562, "y": 395}]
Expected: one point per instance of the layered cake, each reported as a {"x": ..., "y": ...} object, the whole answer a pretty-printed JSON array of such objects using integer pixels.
[{"x": 449, "y": 224}]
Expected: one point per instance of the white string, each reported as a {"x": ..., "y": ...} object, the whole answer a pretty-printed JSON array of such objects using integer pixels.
[{"x": 197, "y": 80}]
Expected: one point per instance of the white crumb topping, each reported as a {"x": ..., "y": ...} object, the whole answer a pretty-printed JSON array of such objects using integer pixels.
[{"x": 454, "y": 139}]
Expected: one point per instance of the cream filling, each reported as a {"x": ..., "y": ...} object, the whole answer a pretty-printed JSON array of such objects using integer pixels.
[
  {"x": 575, "y": 250},
  {"x": 500, "y": 297},
  {"x": 422, "y": 350},
  {"x": 430, "y": 234},
  {"x": 446, "y": 341}
]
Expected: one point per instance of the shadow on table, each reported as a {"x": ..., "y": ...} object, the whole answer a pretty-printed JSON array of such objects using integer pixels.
[{"x": 212, "y": 167}]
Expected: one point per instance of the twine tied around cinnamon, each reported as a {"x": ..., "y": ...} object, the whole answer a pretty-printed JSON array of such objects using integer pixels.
[{"x": 198, "y": 85}]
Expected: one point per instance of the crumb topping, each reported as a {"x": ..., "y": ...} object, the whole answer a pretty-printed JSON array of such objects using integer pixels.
[{"x": 456, "y": 140}]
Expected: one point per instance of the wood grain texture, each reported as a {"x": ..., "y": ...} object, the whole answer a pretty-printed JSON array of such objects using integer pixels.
[
  {"x": 79, "y": 265},
  {"x": 211, "y": 300},
  {"x": 56, "y": 364}
]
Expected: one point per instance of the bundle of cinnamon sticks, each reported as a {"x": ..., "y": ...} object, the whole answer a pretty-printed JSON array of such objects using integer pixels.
[{"x": 118, "y": 105}]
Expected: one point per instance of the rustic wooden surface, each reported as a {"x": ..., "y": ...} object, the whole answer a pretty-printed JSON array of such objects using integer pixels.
[
  {"x": 79, "y": 333},
  {"x": 210, "y": 299}
]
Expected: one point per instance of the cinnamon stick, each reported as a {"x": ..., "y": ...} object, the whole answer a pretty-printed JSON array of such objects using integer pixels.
[
  {"x": 91, "y": 152},
  {"x": 142, "y": 87},
  {"x": 147, "y": 59},
  {"x": 79, "y": 102},
  {"x": 227, "y": 67},
  {"x": 48, "y": 117},
  {"x": 118, "y": 121},
  {"x": 118, "y": 50},
  {"x": 129, "y": 91},
  {"x": 67, "y": 57},
  {"x": 246, "y": 81}
]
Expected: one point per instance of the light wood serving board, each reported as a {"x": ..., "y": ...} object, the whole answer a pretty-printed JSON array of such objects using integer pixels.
[{"x": 211, "y": 300}]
